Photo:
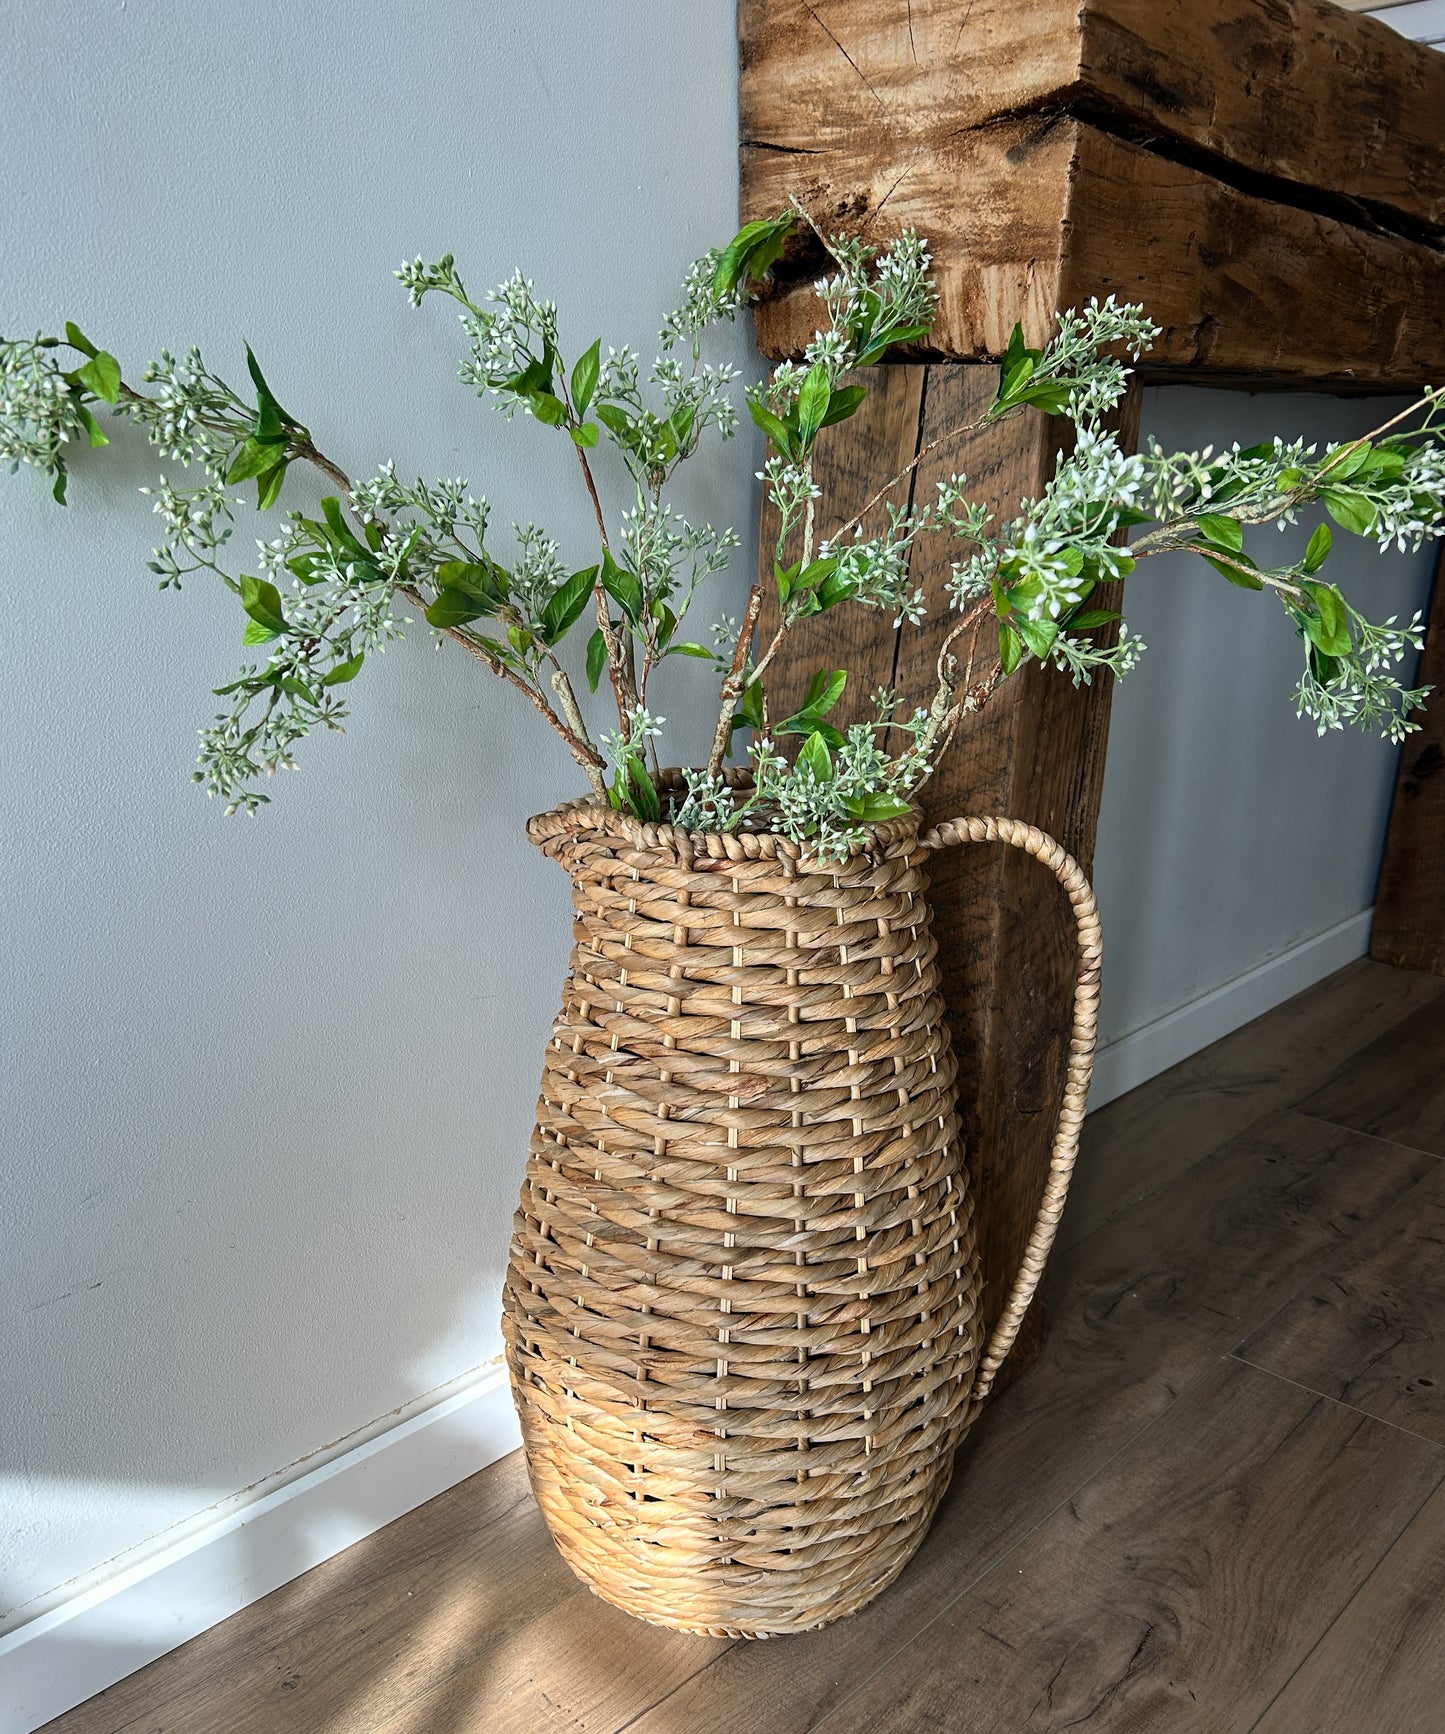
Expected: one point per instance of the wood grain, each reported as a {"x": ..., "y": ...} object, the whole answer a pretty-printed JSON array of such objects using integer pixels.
[
  {"x": 1142, "y": 1142},
  {"x": 1035, "y": 752},
  {"x": 1395, "y": 1088},
  {"x": 1382, "y": 1664},
  {"x": 1370, "y": 1330},
  {"x": 1409, "y": 924},
  {"x": 1289, "y": 92},
  {"x": 1030, "y": 216},
  {"x": 1181, "y": 1587},
  {"x": 354, "y": 1640},
  {"x": 1140, "y": 1309}
]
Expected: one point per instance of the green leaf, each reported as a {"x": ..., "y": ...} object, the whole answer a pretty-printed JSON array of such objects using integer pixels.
[
  {"x": 815, "y": 757},
  {"x": 750, "y": 710},
  {"x": 57, "y": 493},
  {"x": 535, "y": 376},
  {"x": 1322, "y": 666},
  {"x": 686, "y": 648},
  {"x": 843, "y": 403},
  {"x": 454, "y": 608},
  {"x": 1350, "y": 464},
  {"x": 91, "y": 426},
  {"x": 641, "y": 793},
  {"x": 813, "y": 402},
  {"x": 262, "y": 601},
  {"x": 586, "y": 435},
  {"x": 882, "y": 341},
  {"x": 1090, "y": 618},
  {"x": 1010, "y": 647},
  {"x": 520, "y": 639},
  {"x": 1237, "y": 571},
  {"x": 622, "y": 586},
  {"x": 1330, "y": 628},
  {"x": 566, "y": 604},
  {"x": 1350, "y": 509},
  {"x": 1039, "y": 635},
  {"x": 824, "y": 690},
  {"x": 615, "y": 419},
  {"x": 102, "y": 375},
  {"x": 344, "y": 671},
  {"x": 773, "y": 427},
  {"x": 596, "y": 658},
  {"x": 268, "y": 486},
  {"x": 1048, "y": 395},
  {"x": 584, "y": 377},
  {"x": 1222, "y": 532},
  {"x": 255, "y": 457},
  {"x": 1319, "y": 549},
  {"x": 1015, "y": 376},
  {"x": 834, "y": 589},
  {"x": 548, "y": 409},
  {"x": 481, "y": 583},
  {"x": 271, "y": 419},
  {"x": 256, "y": 633},
  {"x": 873, "y": 809},
  {"x": 752, "y": 252},
  {"x": 77, "y": 339},
  {"x": 298, "y": 689}
]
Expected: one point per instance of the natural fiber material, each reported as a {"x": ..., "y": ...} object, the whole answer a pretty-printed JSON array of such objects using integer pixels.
[{"x": 742, "y": 1307}]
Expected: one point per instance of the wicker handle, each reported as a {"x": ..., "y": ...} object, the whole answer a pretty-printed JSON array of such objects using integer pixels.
[{"x": 1076, "y": 1082}]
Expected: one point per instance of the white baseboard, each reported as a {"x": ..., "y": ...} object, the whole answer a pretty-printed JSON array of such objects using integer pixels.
[
  {"x": 1142, "y": 1054},
  {"x": 76, "y": 1649}
]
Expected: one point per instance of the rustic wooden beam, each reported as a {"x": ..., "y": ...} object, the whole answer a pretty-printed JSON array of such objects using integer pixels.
[
  {"x": 1409, "y": 926},
  {"x": 1264, "y": 174},
  {"x": 1036, "y": 752}
]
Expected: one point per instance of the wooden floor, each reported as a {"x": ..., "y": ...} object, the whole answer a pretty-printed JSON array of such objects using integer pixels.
[{"x": 1216, "y": 1503}]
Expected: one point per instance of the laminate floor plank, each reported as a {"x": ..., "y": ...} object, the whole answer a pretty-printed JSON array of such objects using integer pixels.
[
  {"x": 356, "y": 1638},
  {"x": 583, "y": 1668},
  {"x": 1381, "y": 1666},
  {"x": 1142, "y": 1309},
  {"x": 1142, "y": 1141},
  {"x": 1181, "y": 1588},
  {"x": 1395, "y": 1087},
  {"x": 1212, "y": 1208},
  {"x": 1370, "y": 1330}
]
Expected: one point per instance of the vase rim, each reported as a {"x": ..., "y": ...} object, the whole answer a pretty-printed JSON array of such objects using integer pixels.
[{"x": 588, "y": 813}]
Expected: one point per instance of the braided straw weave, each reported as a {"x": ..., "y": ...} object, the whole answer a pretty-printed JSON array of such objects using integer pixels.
[{"x": 742, "y": 1306}]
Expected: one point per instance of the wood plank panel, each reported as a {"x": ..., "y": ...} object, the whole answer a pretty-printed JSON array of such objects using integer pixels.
[
  {"x": 1035, "y": 752},
  {"x": 1141, "y": 1309},
  {"x": 1409, "y": 924},
  {"x": 1382, "y": 1664},
  {"x": 1370, "y": 1330},
  {"x": 1029, "y": 216},
  {"x": 1181, "y": 1588},
  {"x": 1289, "y": 92},
  {"x": 1395, "y": 1088}
]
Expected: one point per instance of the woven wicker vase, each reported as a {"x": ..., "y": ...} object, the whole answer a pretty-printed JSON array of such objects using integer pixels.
[{"x": 742, "y": 1309}]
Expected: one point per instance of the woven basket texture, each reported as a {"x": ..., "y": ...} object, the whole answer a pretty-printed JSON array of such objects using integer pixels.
[
  {"x": 742, "y": 1304},
  {"x": 742, "y": 1307}
]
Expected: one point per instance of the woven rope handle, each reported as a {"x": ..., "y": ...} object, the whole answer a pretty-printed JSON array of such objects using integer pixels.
[{"x": 1076, "y": 1081}]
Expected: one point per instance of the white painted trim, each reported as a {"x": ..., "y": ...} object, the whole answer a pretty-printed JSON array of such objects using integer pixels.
[
  {"x": 67, "y": 1654},
  {"x": 1133, "y": 1059}
]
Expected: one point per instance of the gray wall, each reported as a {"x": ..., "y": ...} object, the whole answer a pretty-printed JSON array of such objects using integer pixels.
[
  {"x": 1229, "y": 832},
  {"x": 268, "y": 1085}
]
